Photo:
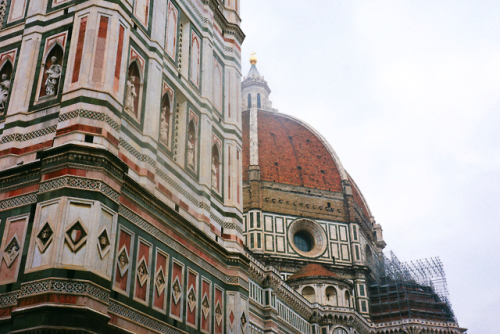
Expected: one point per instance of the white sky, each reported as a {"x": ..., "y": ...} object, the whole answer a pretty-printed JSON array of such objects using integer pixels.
[{"x": 407, "y": 93}]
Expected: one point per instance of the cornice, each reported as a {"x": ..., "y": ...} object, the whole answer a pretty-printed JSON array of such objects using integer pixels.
[{"x": 226, "y": 26}]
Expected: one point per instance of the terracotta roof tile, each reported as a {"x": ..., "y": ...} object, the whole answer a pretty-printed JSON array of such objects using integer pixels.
[{"x": 311, "y": 270}]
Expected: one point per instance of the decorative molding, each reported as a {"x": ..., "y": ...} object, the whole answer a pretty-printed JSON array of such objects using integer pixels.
[
  {"x": 66, "y": 286},
  {"x": 137, "y": 154},
  {"x": 18, "y": 201},
  {"x": 99, "y": 116},
  {"x": 3, "y": 11},
  {"x": 80, "y": 183},
  {"x": 28, "y": 136},
  {"x": 9, "y": 299},
  {"x": 178, "y": 247},
  {"x": 141, "y": 319},
  {"x": 178, "y": 187}
]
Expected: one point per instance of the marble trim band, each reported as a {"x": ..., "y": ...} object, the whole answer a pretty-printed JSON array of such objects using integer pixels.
[
  {"x": 100, "y": 116},
  {"x": 66, "y": 286},
  {"x": 18, "y": 201},
  {"x": 178, "y": 247},
  {"x": 177, "y": 187},
  {"x": 141, "y": 319},
  {"x": 81, "y": 183},
  {"x": 137, "y": 154},
  {"x": 28, "y": 136},
  {"x": 19, "y": 186},
  {"x": 230, "y": 226},
  {"x": 9, "y": 299}
]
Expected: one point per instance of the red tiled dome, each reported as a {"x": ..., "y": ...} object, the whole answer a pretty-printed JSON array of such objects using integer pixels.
[
  {"x": 312, "y": 270},
  {"x": 290, "y": 153}
]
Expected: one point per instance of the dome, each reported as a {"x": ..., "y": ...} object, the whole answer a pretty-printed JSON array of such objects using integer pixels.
[
  {"x": 312, "y": 270},
  {"x": 291, "y": 152}
]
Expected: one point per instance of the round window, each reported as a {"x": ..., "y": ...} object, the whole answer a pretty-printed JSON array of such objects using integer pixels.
[
  {"x": 304, "y": 241},
  {"x": 307, "y": 238}
]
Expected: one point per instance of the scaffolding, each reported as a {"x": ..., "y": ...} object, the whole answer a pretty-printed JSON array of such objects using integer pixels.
[{"x": 409, "y": 290}]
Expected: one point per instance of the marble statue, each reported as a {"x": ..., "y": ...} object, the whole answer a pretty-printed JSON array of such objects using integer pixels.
[
  {"x": 215, "y": 173},
  {"x": 164, "y": 125},
  {"x": 53, "y": 76},
  {"x": 4, "y": 92},
  {"x": 190, "y": 150},
  {"x": 131, "y": 95}
]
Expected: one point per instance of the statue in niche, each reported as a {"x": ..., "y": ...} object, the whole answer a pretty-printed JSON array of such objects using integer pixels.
[
  {"x": 4, "y": 92},
  {"x": 53, "y": 76},
  {"x": 215, "y": 173},
  {"x": 190, "y": 150},
  {"x": 131, "y": 95},
  {"x": 164, "y": 125}
]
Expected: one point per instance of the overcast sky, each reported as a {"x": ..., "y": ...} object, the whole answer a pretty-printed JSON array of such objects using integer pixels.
[{"x": 408, "y": 95}]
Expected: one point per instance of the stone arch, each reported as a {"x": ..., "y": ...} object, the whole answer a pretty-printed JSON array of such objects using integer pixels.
[
  {"x": 56, "y": 50},
  {"x": 331, "y": 296},
  {"x": 339, "y": 330},
  {"x": 135, "y": 78},
  {"x": 309, "y": 294},
  {"x": 347, "y": 298}
]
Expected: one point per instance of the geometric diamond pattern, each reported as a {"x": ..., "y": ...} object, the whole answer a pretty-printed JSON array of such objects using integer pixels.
[
  {"x": 44, "y": 237},
  {"x": 191, "y": 299},
  {"x": 12, "y": 250},
  {"x": 76, "y": 235},
  {"x": 205, "y": 306},
  {"x": 103, "y": 243},
  {"x": 160, "y": 281},
  {"x": 123, "y": 260},
  {"x": 176, "y": 291},
  {"x": 142, "y": 272}
]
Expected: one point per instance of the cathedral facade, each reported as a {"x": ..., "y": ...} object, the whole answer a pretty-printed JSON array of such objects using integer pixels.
[{"x": 146, "y": 188}]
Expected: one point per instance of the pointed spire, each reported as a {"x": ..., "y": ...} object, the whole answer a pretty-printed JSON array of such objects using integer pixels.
[{"x": 253, "y": 73}]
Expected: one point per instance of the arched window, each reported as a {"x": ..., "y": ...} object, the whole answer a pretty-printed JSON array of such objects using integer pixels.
[
  {"x": 51, "y": 72},
  {"x": 195, "y": 59},
  {"x": 165, "y": 119},
  {"x": 217, "y": 85},
  {"x": 258, "y": 100},
  {"x": 133, "y": 92},
  {"x": 347, "y": 298},
  {"x": 309, "y": 294},
  {"x": 215, "y": 168},
  {"x": 191, "y": 146},
  {"x": 5, "y": 81},
  {"x": 171, "y": 42},
  {"x": 249, "y": 104},
  {"x": 331, "y": 296}
]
